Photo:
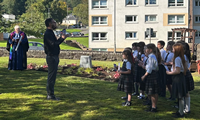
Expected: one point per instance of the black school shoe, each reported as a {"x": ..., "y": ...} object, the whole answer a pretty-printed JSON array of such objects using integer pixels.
[
  {"x": 127, "y": 103},
  {"x": 150, "y": 109},
  {"x": 52, "y": 98},
  {"x": 178, "y": 115},
  {"x": 148, "y": 102}
]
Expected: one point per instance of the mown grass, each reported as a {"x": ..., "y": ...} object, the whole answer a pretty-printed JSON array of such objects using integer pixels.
[
  {"x": 23, "y": 97},
  {"x": 71, "y": 30},
  {"x": 63, "y": 46},
  {"x": 81, "y": 40}
]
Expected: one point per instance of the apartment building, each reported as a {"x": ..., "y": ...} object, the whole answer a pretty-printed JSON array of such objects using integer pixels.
[{"x": 121, "y": 22}]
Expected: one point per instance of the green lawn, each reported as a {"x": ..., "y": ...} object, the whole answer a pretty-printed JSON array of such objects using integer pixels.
[
  {"x": 23, "y": 97},
  {"x": 71, "y": 30},
  {"x": 81, "y": 40},
  {"x": 63, "y": 46}
]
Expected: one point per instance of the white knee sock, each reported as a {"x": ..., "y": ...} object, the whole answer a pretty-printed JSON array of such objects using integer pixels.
[{"x": 187, "y": 104}]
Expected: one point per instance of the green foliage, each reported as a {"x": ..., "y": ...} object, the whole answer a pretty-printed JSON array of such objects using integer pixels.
[
  {"x": 58, "y": 10},
  {"x": 81, "y": 11},
  {"x": 74, "y": 3},
  {"x": 89, "y": 70},
  {"x": 68, "y": 71},
  {"x": 81, "y": 40},
  {"x": 15, "y": 7},
  {"x": 95, "y": 75}
]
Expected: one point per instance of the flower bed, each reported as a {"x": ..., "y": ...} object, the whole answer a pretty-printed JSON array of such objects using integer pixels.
[{"x": 96, "y": 72}]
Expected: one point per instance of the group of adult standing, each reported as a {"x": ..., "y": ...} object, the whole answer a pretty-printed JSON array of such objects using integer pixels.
[{"x": 18, "y": 46}]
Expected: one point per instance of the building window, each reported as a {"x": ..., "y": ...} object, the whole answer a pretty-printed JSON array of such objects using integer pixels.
[
  {"x": 176, "y": 19},
  {"x": 99, "y": 36},
  {"x": 154, "y": 35},
  {"x": 99, "y": 20},
  {"x": 99, "y": 49},
  {"x": 150, "y": 2},
  {"x": 197, "y": 34},
  {"x": 176, "y": 2},
  {"x": 150, "y": 18},
  {"x": 197, "y": 2},
  {"x": 197, "y": 19},
  {"x": 131, "y": 2},
  {"x": 131, "y": 35},
  {"x": 177, "y": 36},
  {"x": 99, "y": 3},
  {"x": 131, "y": 18}
]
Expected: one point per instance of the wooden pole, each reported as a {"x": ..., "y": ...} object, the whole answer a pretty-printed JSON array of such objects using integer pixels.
[
  {"x": 173, "y": 32},
  {"x": 184, "y": 35}
]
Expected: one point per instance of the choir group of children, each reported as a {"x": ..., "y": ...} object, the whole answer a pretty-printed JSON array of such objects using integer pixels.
[{"x": 150, "y": 69}]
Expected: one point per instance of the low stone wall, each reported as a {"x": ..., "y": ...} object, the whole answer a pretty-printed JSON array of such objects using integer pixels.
[{"x": 68, "y": 54}]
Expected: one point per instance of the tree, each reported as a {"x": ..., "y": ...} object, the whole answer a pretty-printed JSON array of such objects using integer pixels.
[
  {"x": 32, "y": 24},
  {"x": 74, "y": 3},
  {"x": 81, "y": 11},
  {"x": 15, "y": 7},
  {"x": 59, "y": 10}
]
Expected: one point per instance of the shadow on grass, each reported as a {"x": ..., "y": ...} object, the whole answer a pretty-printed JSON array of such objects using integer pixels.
[{"x": 24, "y": 97}]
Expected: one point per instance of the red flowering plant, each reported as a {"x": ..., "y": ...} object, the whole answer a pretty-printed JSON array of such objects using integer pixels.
[
  {"x": 31, "y": 66},
  {"x": 99, "y": 69}
]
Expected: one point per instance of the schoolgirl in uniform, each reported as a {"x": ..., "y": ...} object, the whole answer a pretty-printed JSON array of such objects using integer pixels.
[
  {"x": 161, "y": 75},
  {"x": 140, "y": 71},
  {"x": 151, "y": 76},
  {"x": 178, "y": 72},
  {"x": 168, "y": 62},
  {"x": 126, "y": 78},
  {"x": 188, "y": 77}
]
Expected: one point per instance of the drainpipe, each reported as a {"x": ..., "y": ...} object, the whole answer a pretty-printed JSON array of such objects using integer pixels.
[{"x": 114, "y": 26}]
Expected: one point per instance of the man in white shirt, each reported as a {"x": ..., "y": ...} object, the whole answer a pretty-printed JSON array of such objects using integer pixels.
[{"x": 160, "y": 46}]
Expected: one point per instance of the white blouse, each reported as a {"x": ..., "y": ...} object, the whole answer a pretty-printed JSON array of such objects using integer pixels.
[{"x": 152, "y": 63}]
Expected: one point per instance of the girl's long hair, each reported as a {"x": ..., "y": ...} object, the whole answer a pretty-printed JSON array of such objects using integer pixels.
[
  {"x": 141, "y": 45},
  {"x": 158, "y": 56},
  {"x": 129, "y": 54},
  {"x": 187, "y": 52},
  {"x": 155, "y": 51},
  {"x": 179, "y": 52}
]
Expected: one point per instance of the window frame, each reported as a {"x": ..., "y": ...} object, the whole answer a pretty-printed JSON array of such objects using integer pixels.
[
  {"x": 198, "y": 3},
  {"x": 132, "y": 32},
  {"x": 99, "y": 20},
  {"x": 175, "y": 36},
  {"x": 126, "y": 3},
  {"x": 99, "y": 36},
  {"x": 198, "y": 19},
  {"x": 176, "y": 19},
  {"x": 149, "y": 4},
  {"x": 99, "y": 6},
  {"x": 155, "y": 32},
  {"x": 176, "y": 4},
  {"x": 149, "y": 19},
  {"x": 132, "y": 19},
  {"x": 198, "y": 34}
]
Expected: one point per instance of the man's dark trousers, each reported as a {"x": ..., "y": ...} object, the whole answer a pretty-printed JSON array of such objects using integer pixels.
[{"x": 52, "y": 62}]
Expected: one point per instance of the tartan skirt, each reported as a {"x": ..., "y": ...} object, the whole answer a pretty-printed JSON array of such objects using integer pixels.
[
  {"x": 152, "y": 83},
  {"x": 179, "y": 88},
  {"x": 126, "y": 84},
  {"x": 142, "y": 83},
  {"x": 189, "y": 81}
]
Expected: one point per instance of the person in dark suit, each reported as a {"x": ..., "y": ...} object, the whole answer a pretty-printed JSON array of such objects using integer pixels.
[{"x": 52, "y": 50}]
